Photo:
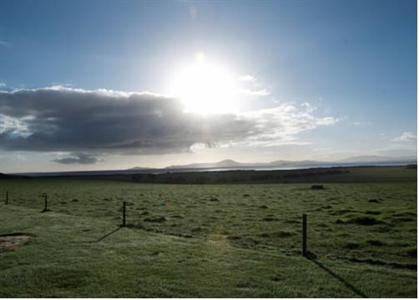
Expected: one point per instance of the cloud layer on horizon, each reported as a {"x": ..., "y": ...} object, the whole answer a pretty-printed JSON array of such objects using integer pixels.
[{"x": 62, "y": 119}]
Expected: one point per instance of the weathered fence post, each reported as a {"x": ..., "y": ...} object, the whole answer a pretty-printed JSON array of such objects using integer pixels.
[
  {"x": 6, "y": 201},
  {"x": 45, "y": 202},
  {"x": 304, "y": 235},
  {"x": 124, "y": 217}
]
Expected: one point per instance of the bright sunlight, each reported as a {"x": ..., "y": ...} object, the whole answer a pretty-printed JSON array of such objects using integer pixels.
[{"x": 205, "y": 87}]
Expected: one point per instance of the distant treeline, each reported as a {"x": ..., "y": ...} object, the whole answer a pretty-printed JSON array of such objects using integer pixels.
[
  {"x": 239, "y": 176},
  {"x": 6, "y": 176}
]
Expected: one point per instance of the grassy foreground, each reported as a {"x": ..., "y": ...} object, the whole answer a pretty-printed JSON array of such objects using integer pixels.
[{"x": 211, "y": 240}]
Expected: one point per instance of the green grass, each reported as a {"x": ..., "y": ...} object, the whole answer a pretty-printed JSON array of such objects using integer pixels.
[{"x": 212, "y": 240}]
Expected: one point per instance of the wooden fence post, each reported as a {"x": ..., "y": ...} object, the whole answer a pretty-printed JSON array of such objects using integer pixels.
[
  {"x": 6, "y": 201},
  {"x": 45, "y": 202},
  {"x": 124, "y": 217},
  {"x": 304, "y": 235}
]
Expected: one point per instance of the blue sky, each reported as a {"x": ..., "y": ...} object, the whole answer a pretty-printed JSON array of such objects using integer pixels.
[{"x": 349, "y": 67}]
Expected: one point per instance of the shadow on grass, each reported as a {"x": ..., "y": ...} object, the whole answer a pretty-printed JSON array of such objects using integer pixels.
[
  {"x": 313, "y": 259},
  {"x": 108, "y": 234}
]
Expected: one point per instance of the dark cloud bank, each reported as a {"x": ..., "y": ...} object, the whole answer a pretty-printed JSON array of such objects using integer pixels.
[{"x": 86, "y": 122}]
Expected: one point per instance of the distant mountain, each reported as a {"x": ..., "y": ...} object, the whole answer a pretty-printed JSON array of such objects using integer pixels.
[
  {"x": 230, "y": 164},
  {"x": 293, "y": 164},
  {"x": 139, "y": 168},
  {"x": 351, "y": 161},
  {"x": 227, "y": 163}
]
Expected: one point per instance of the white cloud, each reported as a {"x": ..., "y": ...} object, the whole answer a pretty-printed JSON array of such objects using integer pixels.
[
  {"x": 247, "y": 78},
  {"x": 281, "y": 125},
  {"x": 405, "y": 137},
  {"x": 14, "y": 127},
  {"x": 197, "y": 147},
  {"x": 252, "y": 87},
  {"x": 261, "y": 92}
]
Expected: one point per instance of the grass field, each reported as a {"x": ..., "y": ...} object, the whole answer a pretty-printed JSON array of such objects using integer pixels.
[{"x": 230, "y": 240}]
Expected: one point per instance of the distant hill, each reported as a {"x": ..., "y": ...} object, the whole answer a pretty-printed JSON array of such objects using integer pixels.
[
  {"x": 299, "y": 163},
  {"x": 140, "y": 168},
  {"x": 227, "y": 163},
  {"x": 356, "y": 160}
]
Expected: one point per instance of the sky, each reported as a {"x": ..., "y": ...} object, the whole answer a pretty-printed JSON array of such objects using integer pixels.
[{"x": 91, "y": 85}]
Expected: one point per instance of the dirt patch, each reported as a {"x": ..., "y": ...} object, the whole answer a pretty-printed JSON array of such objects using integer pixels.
[{"x": 11, "y": 242}]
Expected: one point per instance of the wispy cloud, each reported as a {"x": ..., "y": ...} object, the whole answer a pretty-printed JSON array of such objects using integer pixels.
[
  {"x": 282, "y": 124},
  {"x": 4, "y": 43},
  {"x": 252, "y": 87},
  {"x": 247, "y": 78},
  {"x": 405, "y": 137},
  {"x": 261, "y": 92}
]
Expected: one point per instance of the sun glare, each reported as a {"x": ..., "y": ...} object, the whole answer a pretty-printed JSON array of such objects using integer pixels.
[{"x": 204, "y": 87}]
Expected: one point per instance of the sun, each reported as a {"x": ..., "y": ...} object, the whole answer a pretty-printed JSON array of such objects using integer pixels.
[{"x": 205, "y": 87}]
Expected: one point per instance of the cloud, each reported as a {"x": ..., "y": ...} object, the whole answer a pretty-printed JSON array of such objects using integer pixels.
[
  {"x": 261, "y": 92},
  {"x": 77, "y": 158},
  {"x": 105, "y": 121},
  {"x": 14, "y": 127},
  {"x": 199, "y": 147},
  {"x": 280, "y": 125},
  {"x": 247, "y": 78},
  {"x": 405, "y": 137},
  {"x": 252, "y": 86}
]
